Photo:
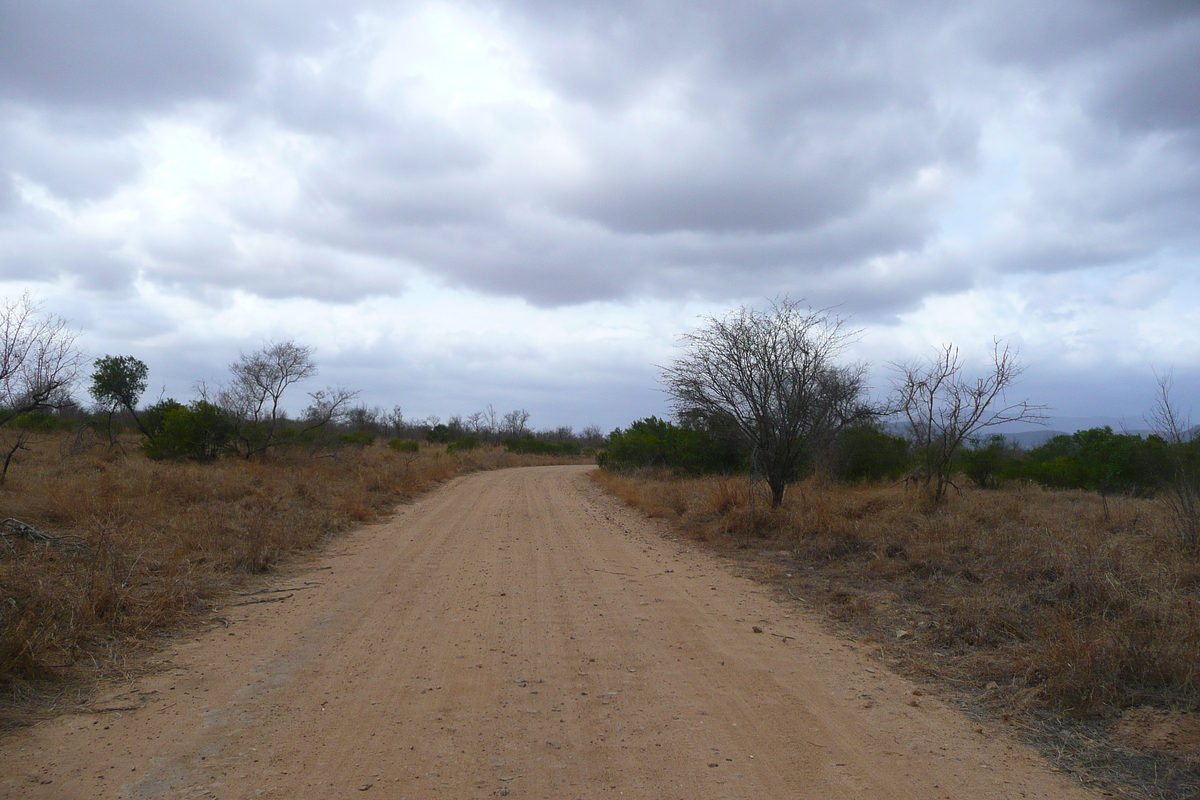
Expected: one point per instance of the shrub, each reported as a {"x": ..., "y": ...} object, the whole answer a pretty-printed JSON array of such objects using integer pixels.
[
  {"x": 41, "y": 422},
  {"x": 464, "y": 444},
  {"x": 1100, "y": 460},
  {"x": 985, "y": 460},
  {"x": 441, "y": 434},
  {"x": 356, "y": 439},
  {"x": 404, "y": 445},
  {"x": 865, "y": 453},
  {"x": 653, "y": 442},
  {"x": 531, "y": 446},
  {"x": 200, "y": 432}
]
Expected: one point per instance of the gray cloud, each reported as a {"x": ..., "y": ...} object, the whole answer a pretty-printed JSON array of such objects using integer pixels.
[
  {"x": 73, "y": 161},
  {"x": 144, "y": 54},
  {"x": 724, "y": 149}
]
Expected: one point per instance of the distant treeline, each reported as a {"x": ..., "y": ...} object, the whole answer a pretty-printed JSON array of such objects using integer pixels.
[{"x": 1097, "y": 459}]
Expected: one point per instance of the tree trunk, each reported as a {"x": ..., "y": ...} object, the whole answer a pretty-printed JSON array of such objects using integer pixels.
[{"x": 778, "y": 487}]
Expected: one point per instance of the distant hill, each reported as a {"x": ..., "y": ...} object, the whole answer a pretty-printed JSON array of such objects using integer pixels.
[{"x": 1027, "y": 440}]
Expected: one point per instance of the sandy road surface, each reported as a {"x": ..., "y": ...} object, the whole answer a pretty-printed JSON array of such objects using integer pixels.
[{"x": 518, "y": 633}]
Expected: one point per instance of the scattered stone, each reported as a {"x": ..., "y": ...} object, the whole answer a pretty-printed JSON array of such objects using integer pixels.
[
  {"x": 365, "y": 787},
  {"x": 757, "y": 629}
]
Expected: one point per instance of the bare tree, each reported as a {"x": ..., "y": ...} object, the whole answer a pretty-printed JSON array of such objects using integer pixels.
[
  {"x": 39, "y": 362},
  {"x": 395, "y": 421},
  {"x": 516, "y": 424},
  {"x": 773, "y": 378},
  {"x": 593, "y": 436},
  {"x": 1182, "y": 487},
  {"x": 366, "y": 419},
  {"x": 943, "y": 408},
  {"x": 255, "y": 392},
  {"x": 476, "y": 424},
  {"x": 328, "y": 404}
]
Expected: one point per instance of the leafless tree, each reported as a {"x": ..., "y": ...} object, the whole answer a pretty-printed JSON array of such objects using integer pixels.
[
  {"x": 773, "y": 378},
  {"x": 254, "y": 395},
  {"x": 476, "y": 424},
  {"x": 943, "y": 408},
  {"x": 593, "y": 436},
  {"x": 395, "y": 421},
  {"x": 39, "y": 362},
  {"x": 516, "y": 423},
  {"x": 1182, "y": 487},
  {"x": 366, "y": 419},
  {"x": 328, "y": 404}
]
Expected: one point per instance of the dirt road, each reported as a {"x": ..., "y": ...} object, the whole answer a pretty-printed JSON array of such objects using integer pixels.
[{"x": 518, "y": 633}]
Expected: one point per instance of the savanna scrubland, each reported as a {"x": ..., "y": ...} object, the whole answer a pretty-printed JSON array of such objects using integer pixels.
[
  {"x": 115, "y": 548},
  {"x": 1056, "y": 589},
  {"x": 1077, "y": 622}
]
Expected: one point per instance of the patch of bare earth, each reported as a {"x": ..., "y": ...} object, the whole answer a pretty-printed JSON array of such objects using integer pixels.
[{"x": 519, "y": 633}]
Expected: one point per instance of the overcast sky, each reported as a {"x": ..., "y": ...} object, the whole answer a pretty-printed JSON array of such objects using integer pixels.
[{"x": 524, "y": 202}]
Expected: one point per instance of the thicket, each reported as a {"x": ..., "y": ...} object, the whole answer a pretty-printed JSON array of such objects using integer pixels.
[
  {"x": 531, "y": 445},
  {"x": 653, "y": 442},
  {"x": 859, "y": 452},
  {"x": 1097, "y": 459}
]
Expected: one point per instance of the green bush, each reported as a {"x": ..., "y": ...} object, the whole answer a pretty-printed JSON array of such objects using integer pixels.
[
  {"x": 152, "y": 417},
  {"x": 528, "y": 444},
  {"x": 404, "y": 445},
  {"x": 985, "y": 461},
  {"x": 356, "y": 439},
  {"x": 1100, "y": 460},
  {"x": 442, "y": 434},
  {"x": 865, "y": 453},
  {"x": 41, "y": 422},
  {"x": 199, "y": 432},
  {"x": 464, "y": 444},
  {"x": 653, "y": 442}
]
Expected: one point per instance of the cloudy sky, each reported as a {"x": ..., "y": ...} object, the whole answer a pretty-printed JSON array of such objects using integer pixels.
[{"x": 524, "y": 202}]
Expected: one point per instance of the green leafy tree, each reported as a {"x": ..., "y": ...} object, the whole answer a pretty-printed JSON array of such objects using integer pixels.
[
  {"x": 1102, "y": 461},
  {"x": 118, "y": 383}
]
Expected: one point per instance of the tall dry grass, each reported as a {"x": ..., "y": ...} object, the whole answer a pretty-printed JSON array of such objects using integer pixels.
[
  {"x": 1075, "y": 620},
  {"x": 164, "y": 538},
  {"x": 1042, "y": 593}
]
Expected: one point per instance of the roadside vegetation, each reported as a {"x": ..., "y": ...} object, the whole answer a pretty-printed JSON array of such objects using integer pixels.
[
  {"x": 104, "y": 548},
  {"x": 1075, "y": 618},
  {"x": 123, "y": 520},
  {"x": 1057, "y": 588}
]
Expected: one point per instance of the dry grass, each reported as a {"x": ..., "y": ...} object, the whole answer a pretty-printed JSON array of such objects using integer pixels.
[
  {"x": 165, "y": 538},
  {"x": 1037, "y": 604}
]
